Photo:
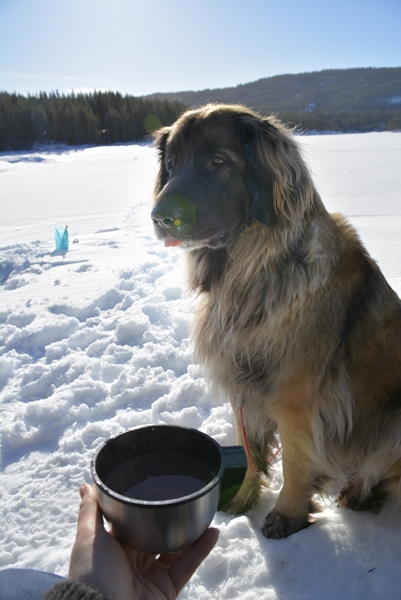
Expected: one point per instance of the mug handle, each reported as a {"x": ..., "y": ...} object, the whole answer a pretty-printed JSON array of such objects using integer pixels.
[{"x": 235, "y": 465}]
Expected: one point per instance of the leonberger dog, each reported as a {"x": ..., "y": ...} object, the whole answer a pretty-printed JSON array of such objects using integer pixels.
[{"x": 295, "y": 322}]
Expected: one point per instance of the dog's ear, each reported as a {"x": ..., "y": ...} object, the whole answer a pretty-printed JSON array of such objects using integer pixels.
[
  {"x": 258, "y": 180},
  {"x": 276, "y": 175},
  {"x": 160, "y": 138},
  {"x": 260, "y": 188}
]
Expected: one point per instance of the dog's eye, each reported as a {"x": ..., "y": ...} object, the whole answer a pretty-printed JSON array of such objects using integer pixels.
[
  {"x": 170, "y": 165},
  {"x": 217, "y": 161}
]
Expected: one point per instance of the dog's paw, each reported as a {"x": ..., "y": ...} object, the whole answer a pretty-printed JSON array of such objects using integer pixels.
[
  {"x": 242, "y": 503},
  {"x": 277, "y": 526},
  {"x": 350, "y": 496},
  {"x": 238, "y": 506},
  {"x": 247, "y": 497},
  {"x": 348, "y": 499}
]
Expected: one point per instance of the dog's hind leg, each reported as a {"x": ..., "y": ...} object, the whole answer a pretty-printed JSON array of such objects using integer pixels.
[
  {"x": 353, "y": 496},
  {"x": 388, "y": 490}
]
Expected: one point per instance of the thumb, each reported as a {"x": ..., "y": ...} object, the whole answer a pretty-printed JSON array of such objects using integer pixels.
[
  {"x": 89, "y": 518},
  {"x": 87, "y": 490}
]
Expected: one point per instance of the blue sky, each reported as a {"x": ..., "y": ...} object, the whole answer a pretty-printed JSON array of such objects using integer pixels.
[{"x": 144, "y": 46}]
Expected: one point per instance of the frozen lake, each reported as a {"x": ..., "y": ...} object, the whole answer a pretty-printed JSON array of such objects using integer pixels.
[{"x": 95, "y": 341}]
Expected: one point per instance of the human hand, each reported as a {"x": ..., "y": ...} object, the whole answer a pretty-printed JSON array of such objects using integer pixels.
[{"x": 120, "y": 573}]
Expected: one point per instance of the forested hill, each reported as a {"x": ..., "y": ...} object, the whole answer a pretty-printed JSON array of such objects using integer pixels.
[
  {"x": 337, "y": 100},
  {"x": 79, "y": 119},
  {"x": 334, "y": 100}
]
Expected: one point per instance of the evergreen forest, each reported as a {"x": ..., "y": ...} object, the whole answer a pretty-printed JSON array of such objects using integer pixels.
[{"x": 79, "y": 119}]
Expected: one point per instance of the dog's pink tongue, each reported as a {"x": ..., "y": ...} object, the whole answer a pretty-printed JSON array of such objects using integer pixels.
[{"x": 172, "y": 242}]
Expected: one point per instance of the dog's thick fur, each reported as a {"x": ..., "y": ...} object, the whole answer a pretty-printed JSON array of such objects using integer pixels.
[{"x": 293, "y": 313}]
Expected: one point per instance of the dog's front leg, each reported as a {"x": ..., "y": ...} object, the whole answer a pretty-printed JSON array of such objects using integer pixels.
[
  {"x": 248, "y": 495},
  {"x": 291, "y": 512}
]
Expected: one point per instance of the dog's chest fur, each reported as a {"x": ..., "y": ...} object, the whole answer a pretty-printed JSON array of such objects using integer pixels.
[{"x": 249, "y": 328}]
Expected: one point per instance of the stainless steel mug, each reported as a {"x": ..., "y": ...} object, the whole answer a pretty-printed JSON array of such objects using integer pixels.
[{"x": 161, "y": 485}]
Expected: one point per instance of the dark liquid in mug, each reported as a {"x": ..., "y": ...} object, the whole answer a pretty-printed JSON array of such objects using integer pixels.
[
  {"x": 160, "y": 476},
  {"x": 165, "y": 487}
]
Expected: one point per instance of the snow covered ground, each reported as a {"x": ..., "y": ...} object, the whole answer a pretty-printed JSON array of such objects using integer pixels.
[{"x": 94, "y": 341}]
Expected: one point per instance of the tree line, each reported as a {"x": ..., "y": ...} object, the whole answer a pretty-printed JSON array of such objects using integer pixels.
[
  {"x": 343, "y": 101},
  {"x": 365, "y": 99},
  {"x": 344, "y": 122},
  {"x": 79, "y": 119}
]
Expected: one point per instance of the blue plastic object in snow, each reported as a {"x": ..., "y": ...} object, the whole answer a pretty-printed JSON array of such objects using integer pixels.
[{"x": 61, "y": 237}]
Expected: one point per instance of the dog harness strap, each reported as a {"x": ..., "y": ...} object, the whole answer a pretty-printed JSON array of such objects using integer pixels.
[
  {"x": 240, "y": 404},
  {"x": 248, "y": 454}
]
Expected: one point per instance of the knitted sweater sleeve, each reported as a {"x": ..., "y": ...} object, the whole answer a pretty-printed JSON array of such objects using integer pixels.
[{"x": 72, "y": 590}]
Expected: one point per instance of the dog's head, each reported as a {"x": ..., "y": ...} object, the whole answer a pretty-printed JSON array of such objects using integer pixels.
[{"x": 222, "y": 167}]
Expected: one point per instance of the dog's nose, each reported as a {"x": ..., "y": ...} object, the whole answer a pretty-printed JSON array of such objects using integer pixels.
[
  {"x": 166, "y": 213},
  {"x": 162, "y": 221},
  {"x": 173, "y": 211}
]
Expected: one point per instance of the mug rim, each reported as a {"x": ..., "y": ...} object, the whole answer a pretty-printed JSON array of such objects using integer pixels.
[{"x": 155, "y": 503}]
